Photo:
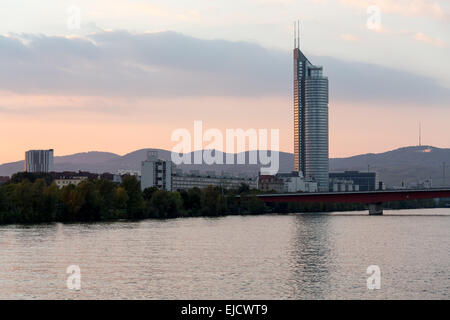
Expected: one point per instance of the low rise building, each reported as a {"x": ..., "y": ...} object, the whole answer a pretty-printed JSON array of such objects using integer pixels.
[
  {"x": 367, "y": 181},
  {"x": 189, "y": 181},
  {"x": 129, "y": 172},
  {"x": 270, "y": 183},
  {"x": 295, "y": 182},
  {"x": 89, "y": 175},
  {"x": 343, "y": 185},
  {"x": 425, "y": 184},
  {"x": 64, "y": 182}
]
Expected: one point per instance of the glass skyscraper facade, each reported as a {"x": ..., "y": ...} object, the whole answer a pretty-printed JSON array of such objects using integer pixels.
[{"x": 310, "y": 120}]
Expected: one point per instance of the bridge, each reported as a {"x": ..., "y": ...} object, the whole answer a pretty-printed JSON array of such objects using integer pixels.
[{"x": 374, "y": 199}]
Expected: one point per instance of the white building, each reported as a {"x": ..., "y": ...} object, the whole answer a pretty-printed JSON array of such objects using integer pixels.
[
  {"x": 39, "y": 160},
  {"x": 156, "y": 172},
  {"x": 295, "y": 182},
  {"x": 129, "y": 172},
  {"x": 185, "y": 182},
  {"x": 343, "y": 185},
  {"x": 425, "y": 184},
  {"x": 61, "y": 183}
]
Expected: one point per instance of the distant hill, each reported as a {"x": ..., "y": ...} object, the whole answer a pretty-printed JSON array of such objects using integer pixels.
[{"x": 409, "y": 164}]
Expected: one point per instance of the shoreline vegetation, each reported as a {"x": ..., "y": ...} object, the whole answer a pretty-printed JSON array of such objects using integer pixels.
[{"x": 34, "y": 198}]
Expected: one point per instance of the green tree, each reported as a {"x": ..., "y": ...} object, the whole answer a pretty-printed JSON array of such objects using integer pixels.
[
  {"x": 192, "y": 201},
  {"x": 120, "y": 198},
  {"x": 52, "y": 198},
  {"x": 213, "y": 202},
  {"x": 22, "y": 201},
  {"x": 72, "y": 201},
  {"x": 252, "y": 204},
  {"x": 166, "y": 204},
  {"x": 243, "y": 188},
  {"x": 91, "y": 207},
  {"x": 135, "y": 203},
  {"x": 106, "y": 191},
  {"x": 148, "y": 193},
  {"x": 31, "y": 176}
]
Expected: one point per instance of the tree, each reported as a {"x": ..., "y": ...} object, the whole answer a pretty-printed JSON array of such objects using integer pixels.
[
  {"x": 106, "y": 191},
  {"x": 192, "y": 201},
  {"x": 213, "y": 202},
  {"x": 243, "y": 188},
  {"x": 90, "y": 209},
  {"x": 148, "y": 193},
  {"x": 22, "y": 201},
  {"x": 135, "y": 203},
  {"x": 120, "y": 198},
  {"x": 31, "y": 176},
  {"x": 52, "y": 198},
  {"x": 72, "y": 202},
  {"x": 252, "y": 204},
  {"x": 166, "y": 204}
]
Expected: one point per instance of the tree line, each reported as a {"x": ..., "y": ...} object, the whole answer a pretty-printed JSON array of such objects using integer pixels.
[{"x": 35, "y": 198}]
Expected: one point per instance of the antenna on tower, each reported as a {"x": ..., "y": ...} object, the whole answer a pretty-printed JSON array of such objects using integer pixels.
[
  {"x": 420, "y": 134},
  {"x": 298, "y": 34},
  {"x": 295, "y": 36}
]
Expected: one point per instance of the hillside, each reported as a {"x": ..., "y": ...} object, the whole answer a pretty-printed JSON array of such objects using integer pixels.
[{"x": 409, "y": 164}]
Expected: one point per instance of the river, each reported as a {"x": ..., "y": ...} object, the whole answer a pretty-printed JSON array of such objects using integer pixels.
[{"x": 296, "y": 256}]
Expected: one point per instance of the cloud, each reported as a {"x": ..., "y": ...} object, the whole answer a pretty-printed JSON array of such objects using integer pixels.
[
  {"x": 349, "y": 37},
  {"x": 168, "y": 65},
  {"x": 371, "y": 84},
  {"x": 426, "y": 8},
  {"x": 148, "y": 64},
  {"x": 437, "y": 42}
]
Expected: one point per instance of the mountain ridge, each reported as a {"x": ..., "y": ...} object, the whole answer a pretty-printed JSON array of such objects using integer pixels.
[{"x": 410, "y": 164}]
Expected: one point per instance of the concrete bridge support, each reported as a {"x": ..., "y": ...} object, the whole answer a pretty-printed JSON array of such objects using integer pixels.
[{"x": 376, "y": 209}]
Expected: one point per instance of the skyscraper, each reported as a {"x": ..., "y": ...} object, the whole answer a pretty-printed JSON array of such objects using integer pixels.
[
  {"x": 310, "y": 118},
  {"x": 39, "y": 160}
]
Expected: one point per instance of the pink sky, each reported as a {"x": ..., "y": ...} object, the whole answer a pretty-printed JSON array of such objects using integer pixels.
[{"x": 148, "y": 123}]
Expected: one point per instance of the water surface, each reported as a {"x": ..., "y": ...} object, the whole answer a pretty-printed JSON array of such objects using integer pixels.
[{"x": 298, "y": 256}]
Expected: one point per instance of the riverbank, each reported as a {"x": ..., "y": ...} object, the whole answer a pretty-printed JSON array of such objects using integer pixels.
[{"x": 35, "y": 200}]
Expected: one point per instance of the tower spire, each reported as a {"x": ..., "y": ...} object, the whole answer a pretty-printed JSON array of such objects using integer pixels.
[
  {"x": 298, "y": 34},
  {"x": 420, "y": 134},
  {"x": 295, "y": 36}
]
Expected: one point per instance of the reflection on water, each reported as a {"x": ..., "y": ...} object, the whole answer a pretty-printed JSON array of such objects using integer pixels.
[
  {"x": 315, "y": 256},
  {"x": 312, "y": 256}
]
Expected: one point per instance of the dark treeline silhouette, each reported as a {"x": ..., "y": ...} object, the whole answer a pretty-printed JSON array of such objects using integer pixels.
[{"x": 34, "y": 198}]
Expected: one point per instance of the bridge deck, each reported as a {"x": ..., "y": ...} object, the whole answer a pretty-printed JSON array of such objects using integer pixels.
[{"x": 357, "y": 197}]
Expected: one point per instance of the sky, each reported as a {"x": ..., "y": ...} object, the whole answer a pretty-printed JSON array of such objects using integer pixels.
[{"x": 118, "y": 76}]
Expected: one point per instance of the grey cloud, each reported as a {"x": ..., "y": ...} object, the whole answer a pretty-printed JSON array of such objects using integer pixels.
[
  {"x": 169, "y": 64},
  {"x": 360, "y": 82}
]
